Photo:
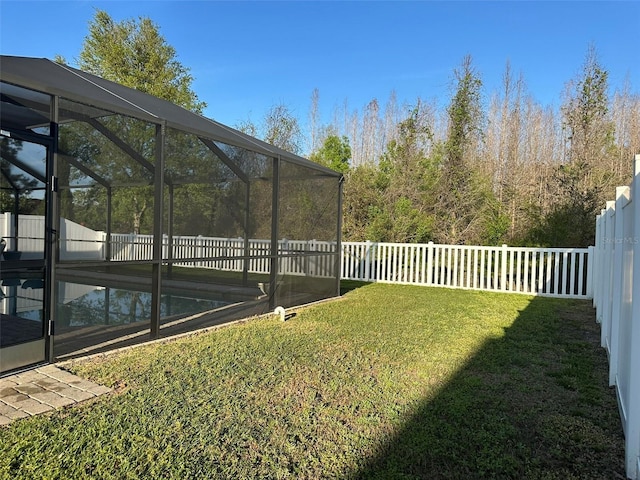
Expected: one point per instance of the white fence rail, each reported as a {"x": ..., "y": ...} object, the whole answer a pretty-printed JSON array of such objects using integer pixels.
[
  {"x": 616, "y": 265},
  {"x": 561, "y": 272},
  {"x": 298, "y": 257}
]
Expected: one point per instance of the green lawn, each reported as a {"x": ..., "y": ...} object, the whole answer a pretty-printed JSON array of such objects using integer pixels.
[{"x": 387, "y": 382}]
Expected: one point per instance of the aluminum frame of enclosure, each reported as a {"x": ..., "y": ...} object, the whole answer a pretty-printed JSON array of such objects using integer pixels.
[{"x": 248, "y": 185}]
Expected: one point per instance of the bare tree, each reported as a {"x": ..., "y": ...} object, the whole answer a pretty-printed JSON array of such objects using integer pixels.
[
  {"x": 314, "y": 121},
  {"x": 371, "y": 132},
  {"x": 391, "y": 119},
  {"x": 625, "y": 112}
]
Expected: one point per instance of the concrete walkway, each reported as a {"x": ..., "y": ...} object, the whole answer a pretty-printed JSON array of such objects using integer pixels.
[{"x": 41, "y": 390}]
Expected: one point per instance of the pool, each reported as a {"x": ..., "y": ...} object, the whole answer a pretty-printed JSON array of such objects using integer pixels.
[{"x": 84, "y": 305}]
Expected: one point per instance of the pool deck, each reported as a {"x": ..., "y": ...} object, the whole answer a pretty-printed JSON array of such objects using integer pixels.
[{"x": 41, "y": 390}]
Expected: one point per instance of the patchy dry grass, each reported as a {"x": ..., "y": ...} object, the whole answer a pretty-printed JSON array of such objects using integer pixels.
[{"x": 388, "y": 382}]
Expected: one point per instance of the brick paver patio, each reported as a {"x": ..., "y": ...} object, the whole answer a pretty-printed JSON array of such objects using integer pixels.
[{"x": 41, "y": 390}]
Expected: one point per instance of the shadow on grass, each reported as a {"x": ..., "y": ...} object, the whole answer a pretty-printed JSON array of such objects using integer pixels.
[
  {"x": 532, "y": 404},
  {"x": 348, "y": 285}
]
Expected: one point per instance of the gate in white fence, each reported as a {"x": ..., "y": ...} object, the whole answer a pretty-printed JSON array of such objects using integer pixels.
[
  {"x": 616, "y": 265},
  {"x": 559, "y": 272}
]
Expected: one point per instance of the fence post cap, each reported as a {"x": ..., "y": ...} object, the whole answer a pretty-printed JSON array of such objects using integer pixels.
[{"x": 622, "y": 191}]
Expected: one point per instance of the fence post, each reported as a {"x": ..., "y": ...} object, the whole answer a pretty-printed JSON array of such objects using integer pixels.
[
  {"x": 503, "y": 267},
  {"x": 367, "y": 261},
  {"x": 430, "y": 263},
  {"x": 130, "y": 247},
  {"x": 632, "y": 432},
  {"x": 592, "y": 279},
  {"x": 600, "y": 266},
  {"x": 617, "y": 269},
  {"x": 591, "y": 275},
  {"x": 610, "y": 218}
]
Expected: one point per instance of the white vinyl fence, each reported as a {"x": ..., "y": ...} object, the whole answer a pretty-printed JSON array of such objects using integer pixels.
[
  {"x": 616, "y": 265},
  {"x": 298, "y": 257},
  {"x": 559, "y": 272},
  {"x": 30, "y": 239},
  {"x": 81, "y": 243}
]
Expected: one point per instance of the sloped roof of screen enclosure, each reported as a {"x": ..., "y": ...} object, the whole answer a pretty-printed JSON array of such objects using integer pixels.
[{"x": 52, "y": 78}]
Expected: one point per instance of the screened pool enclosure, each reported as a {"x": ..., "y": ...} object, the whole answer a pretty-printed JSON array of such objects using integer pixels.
[{"x": 125, "y": 218}]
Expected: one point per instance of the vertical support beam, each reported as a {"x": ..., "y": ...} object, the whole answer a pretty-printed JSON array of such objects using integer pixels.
[
  {"x": 275, "y": 220},
  {"x": 247, "y": 219},
  {"x": 170, "y": 213},
  {"x": 52, "y": 227},
  {"x": 338, "y": 252},
  {"x": 109, "y": 216},
  {"x": 156, "y": 269},
  {"x": 15, "y": 228}
]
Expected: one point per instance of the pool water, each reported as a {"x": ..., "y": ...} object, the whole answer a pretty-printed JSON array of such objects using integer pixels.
[
  {"x": 115, "y": 306},
  {"x": 83, "y": 305}
]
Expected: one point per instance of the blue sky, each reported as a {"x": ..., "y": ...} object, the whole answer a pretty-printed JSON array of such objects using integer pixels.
[{"x": 248, "y": 56}]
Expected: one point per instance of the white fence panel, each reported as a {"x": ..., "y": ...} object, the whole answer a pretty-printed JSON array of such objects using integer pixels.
[
  {"x": 299, "y": 257},
  {"x": 616, "y": 264},
  {"x": 561, "y": 272},
  {"x": 78, "y": 242},
  {"x": 28, "y": 239}
]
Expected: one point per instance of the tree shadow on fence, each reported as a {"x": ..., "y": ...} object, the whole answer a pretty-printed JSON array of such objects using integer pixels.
[{"x": 532, "y": 404}]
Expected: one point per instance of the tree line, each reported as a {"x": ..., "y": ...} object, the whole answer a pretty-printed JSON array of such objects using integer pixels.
[
  {"x": 502, "y": 170},
  {"x": 507, "y": 170}
]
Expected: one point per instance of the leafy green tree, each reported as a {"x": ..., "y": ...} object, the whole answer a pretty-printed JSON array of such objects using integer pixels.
[
  {"x": 334, "y": 153},
  {"x": 392, "y": 201},
  {"x": 461, "y": 209},
  {"x": 363, "y": 203},
  {"x": 281, "y": 129},
  {"x": 465, "y": 119},
  {"x": 413, "y": 174},
  {"x": 134, "y": 53},
  {"x": 585, "y": 113},
  {"x": 584, "y": 182}
]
